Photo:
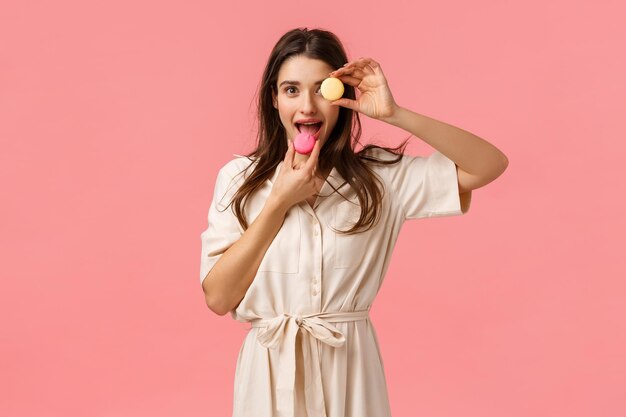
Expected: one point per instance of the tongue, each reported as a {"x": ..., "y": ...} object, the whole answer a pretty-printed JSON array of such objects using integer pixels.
[{"x": 310, "y": 129}]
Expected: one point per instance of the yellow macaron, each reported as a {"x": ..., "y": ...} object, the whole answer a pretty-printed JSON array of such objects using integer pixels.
[{"x": 332, "y": 88}]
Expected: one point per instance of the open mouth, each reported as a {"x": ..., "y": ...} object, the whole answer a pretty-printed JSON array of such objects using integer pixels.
[{"x": 311, "y": 129}]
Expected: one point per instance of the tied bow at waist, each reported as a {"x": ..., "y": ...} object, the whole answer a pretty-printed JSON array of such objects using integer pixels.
[{"x": 280, "y": 332}]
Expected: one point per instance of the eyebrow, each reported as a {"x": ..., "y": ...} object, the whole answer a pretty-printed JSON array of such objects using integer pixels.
[{"x": 297, "y": 82}]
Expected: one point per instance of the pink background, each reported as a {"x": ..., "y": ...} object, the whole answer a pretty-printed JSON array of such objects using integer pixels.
[{"x": 115, "y": 117}]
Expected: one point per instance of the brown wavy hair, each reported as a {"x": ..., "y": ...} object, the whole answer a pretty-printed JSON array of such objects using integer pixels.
[{"x": 338, "y": 150}]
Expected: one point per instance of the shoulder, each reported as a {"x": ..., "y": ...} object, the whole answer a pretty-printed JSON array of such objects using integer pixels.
[
  {"x": 381, "y": 160},
  {"x": 230, "y": 177},
  {"x": 381, "y": 154},
  {"x": 236, "y": 168}
]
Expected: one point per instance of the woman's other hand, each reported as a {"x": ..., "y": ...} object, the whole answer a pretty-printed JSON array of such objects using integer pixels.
[{"x": 375, "y": 100}]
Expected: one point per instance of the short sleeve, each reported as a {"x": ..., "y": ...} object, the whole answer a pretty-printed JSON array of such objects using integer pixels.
[
  {"x": 426, "y": 186},
  {"x": 223, "y": 226}
]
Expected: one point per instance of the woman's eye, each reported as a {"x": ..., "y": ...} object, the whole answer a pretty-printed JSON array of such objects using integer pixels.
[{"x": 290, "y": 88}]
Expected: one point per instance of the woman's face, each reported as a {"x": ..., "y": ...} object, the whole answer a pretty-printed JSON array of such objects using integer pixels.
[{"x": 299, "y": 96}]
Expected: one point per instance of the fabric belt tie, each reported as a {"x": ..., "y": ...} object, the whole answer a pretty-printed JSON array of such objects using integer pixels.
[{"x": 280, "y": 332}]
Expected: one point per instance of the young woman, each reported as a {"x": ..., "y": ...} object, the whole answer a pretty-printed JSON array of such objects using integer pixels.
[{"x": 298, "y": 245}]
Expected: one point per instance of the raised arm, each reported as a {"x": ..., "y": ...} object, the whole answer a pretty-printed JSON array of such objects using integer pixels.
[{"x": 478, "y": 161}]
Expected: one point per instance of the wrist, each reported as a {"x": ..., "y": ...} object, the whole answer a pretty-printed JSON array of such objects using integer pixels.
[
  {"x": 273, "y": 205},
  {"x": 394, "y": 117}
]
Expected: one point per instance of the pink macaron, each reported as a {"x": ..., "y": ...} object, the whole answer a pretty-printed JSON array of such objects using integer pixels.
[{"x": 304, "y": 142}]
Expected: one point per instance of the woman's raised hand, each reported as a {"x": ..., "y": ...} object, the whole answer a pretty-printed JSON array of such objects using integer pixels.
[
  {"x": 295, "y": 184},
  {"x": 375, "y": 100}
]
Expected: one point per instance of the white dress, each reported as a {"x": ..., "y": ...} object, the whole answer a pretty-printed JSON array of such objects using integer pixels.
[{"x": 311, "y": 349}]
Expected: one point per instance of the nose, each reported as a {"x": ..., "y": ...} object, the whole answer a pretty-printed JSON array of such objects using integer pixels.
[{"x": 308, "y": 103}]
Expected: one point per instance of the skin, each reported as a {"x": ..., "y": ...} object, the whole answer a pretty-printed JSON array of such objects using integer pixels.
[
  {"x": 229, "y": 279},
  {"x": 478, "y": 162},
  {"x": 296, "y": 102}
]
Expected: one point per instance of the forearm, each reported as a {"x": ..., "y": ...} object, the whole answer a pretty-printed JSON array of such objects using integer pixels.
[
  {"x": 229, "y": 279},
  {"x": 470, "y": 152}
]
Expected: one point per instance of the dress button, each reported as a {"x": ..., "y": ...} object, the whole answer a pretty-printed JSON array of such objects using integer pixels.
[
  {"x": 315, "y": 232},
  {"x": 315, "y": 292}
]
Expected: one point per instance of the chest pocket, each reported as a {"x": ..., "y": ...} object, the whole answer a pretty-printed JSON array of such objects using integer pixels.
[
  {"x": 349, "y": 249},
  {"x": 283, "y": 254}
]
